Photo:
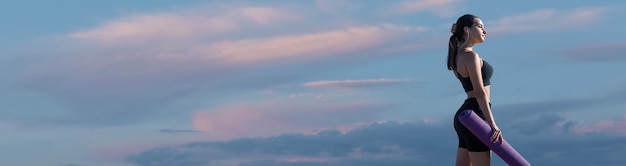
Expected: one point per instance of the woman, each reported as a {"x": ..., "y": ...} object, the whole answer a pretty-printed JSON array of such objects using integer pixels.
[{"x": 474, "y": 74}]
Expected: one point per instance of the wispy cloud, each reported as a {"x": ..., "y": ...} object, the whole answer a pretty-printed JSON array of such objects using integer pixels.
[
  {"x": 443, "y": 8},
  {"x": 513, "y": 112},
  {"x": 617, "y": 126},
  {"x": 142, "y": 61},
  {"x": 201, "y": 69},
  {"x": 547, "y": 123},
  {"x": 179, "y": 131},
  {"x": 349, "y": 84},
  {"x": 546, "y": 20},
  {"x": 266, "y": 15},
  {"x": 595, "y": 52},
  {"x": 316, "y": 45},
  {"x": 274, "y": 117},
  {"x": 194, "y": 23},
  {"x": 156, "y": 26}
]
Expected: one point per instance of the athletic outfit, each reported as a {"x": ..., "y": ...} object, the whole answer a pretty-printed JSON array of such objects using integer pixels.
[{"x": 466, "y": 138}]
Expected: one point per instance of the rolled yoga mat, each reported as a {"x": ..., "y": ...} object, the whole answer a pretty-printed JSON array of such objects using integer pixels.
[{"x": 483, "y": 131}]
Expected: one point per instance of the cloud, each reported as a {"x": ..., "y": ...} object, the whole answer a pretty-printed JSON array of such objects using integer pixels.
[
  {"x": 598, "y": 52},
  {"x": 128, "y": 69},
  {"x": 157, "y": 26},
  {"x": 617, "y": 126},
  {"x": 272, "y": 117},
  {"x": 387, "y": 143},
  {"x": 541, "y": 124},
  {"x": 165, "y": 156},
  {"x": 186, "y": 24},
  {"x": 546, "y": 20},
  {"x": 354, "y": 83},
  {"x": 265, "y": 15},
  {"x": 443, "y": 8},
  {"x": 316, "y": 45},
  {"x": 516, "y": 111},
  {"x": 173, "y": 131}
]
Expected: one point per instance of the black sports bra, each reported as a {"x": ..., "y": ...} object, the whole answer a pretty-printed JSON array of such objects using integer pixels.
[{"x": 487, "y": 72}]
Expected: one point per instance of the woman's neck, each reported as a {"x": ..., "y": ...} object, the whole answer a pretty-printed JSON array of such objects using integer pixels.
[{"x": 467, "y": 46}]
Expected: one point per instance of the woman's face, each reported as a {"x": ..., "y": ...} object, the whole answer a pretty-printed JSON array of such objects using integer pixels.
[{"x": 477, "y": 31}]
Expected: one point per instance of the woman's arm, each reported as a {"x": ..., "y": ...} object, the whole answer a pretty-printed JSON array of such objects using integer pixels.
[{"x": 473, "y": 67}]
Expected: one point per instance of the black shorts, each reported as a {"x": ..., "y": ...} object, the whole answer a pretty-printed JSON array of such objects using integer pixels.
[{"x": 466, "y": 138}]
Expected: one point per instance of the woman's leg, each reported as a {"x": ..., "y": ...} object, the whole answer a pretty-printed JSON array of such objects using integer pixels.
[
  {"x": 462, "y": 157},
  {"x": 480, "y": 158}
]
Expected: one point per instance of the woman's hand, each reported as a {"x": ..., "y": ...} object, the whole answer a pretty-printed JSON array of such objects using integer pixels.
[{"x": 497, "y": 134}]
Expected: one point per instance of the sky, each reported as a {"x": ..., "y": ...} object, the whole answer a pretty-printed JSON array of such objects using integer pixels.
[{"x": 302, "y": 83}]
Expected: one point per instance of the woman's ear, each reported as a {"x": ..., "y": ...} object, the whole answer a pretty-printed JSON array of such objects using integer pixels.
[{"x": 466, "y": 29}]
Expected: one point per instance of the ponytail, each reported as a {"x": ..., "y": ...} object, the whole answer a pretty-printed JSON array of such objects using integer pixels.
[
  {"x": 458, "y": 38},
  {"x": 453, "y": 47}
]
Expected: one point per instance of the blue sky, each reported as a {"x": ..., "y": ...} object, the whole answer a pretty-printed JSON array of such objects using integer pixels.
[{"x": 326, "y": 82}]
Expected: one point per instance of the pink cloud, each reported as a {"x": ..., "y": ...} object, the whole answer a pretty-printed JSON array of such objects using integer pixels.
[
  {"x": 343, "y": 128},
  {"x": 159, "y": 57},
  {"x": 282, "y": 116},
  {"x": 617, "y": 126},
  {"x": 140, "y": 38},
  {"x": 185, "y": 41},
  {"x": 298, "y": 47},
  {"x": 186, "y": 24},
  {"x": 123, "y": 69},
  {"x": 163, "y": 62},
  {"x": 266, "y": 15},
  {"x": 349, "y": 127},
  {"x": 145, "y": 27},
  {"x": 545, "y": 20},
  {"x": 233, "y": 52}
]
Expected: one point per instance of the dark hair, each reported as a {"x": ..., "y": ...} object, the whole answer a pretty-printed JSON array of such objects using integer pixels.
[{"x": 466, "y": 20}]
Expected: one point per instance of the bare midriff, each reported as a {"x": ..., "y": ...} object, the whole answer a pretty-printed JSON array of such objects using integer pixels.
[{"x": 471, "y": 94}]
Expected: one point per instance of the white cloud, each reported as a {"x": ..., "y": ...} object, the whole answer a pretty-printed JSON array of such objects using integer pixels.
[{"x": 546, "y": 20}]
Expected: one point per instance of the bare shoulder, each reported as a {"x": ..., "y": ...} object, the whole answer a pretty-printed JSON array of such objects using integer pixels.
[{"x": 468, "y": 57}]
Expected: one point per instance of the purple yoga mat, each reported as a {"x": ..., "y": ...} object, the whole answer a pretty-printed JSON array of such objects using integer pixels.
[{"x": 483, "y": 131}]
